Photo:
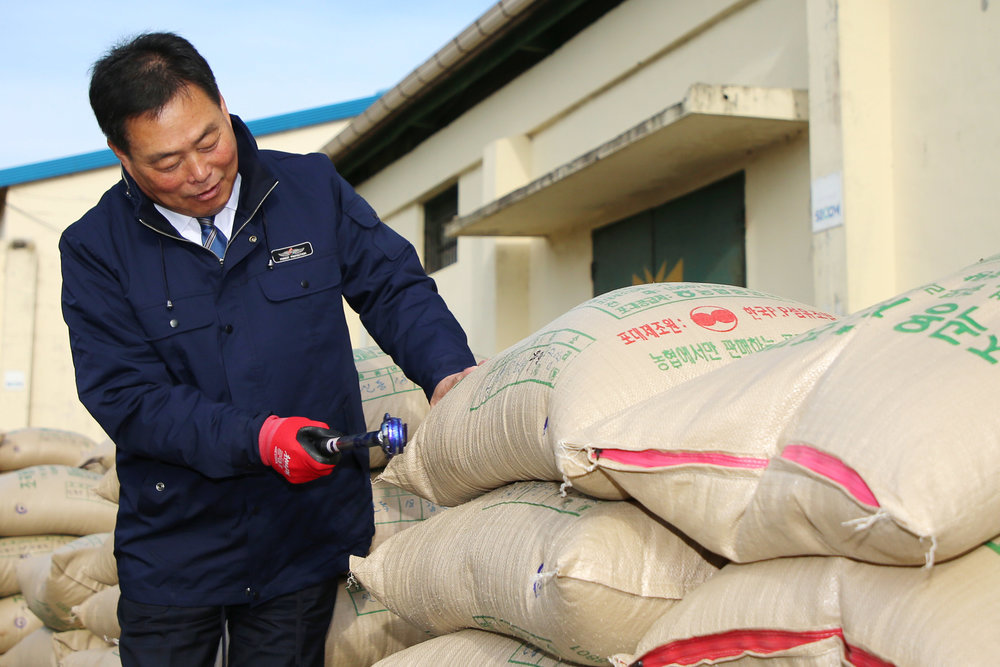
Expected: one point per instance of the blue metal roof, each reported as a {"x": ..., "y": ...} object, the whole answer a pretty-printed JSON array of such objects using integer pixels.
[{"x": 105, "y": 158}]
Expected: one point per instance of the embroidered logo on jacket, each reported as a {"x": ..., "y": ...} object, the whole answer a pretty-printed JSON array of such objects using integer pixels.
[{"x": 288, "y": 253}]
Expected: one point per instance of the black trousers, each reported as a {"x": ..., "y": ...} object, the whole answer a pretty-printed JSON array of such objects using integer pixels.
[{"x": 288, "y": 631}]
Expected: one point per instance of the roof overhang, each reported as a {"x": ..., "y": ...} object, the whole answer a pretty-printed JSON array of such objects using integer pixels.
[
  {"x": 506, "y": 41},
  {"x": 713, "y": 126}
]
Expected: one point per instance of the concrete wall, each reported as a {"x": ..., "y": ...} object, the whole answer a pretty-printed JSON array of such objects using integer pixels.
[
  {"x": 778, "y": 235},
  {"x": 945, "y": 138}
]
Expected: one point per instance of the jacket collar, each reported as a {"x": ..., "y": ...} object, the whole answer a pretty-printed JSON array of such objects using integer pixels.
[{"x": 257, "y": 183}]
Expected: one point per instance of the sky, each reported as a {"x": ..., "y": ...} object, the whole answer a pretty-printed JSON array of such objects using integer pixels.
[{"x": 269, "y": 58}]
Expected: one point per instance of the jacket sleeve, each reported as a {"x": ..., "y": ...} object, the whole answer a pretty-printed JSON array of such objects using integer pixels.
[
  {"x": 397, "y": 301},
  {"x": 128, "y": 389}
]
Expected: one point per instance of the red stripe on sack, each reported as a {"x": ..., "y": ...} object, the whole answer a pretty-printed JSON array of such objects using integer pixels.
[
  {"x": 735, "y": 643},
  {"x": 862, "y": 658},
  {"x": 657, "y": 458},
  {"x": 833, "y": 468}
]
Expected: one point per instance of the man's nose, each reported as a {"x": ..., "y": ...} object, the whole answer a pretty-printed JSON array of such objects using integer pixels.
[{"x": 200, "y": 168}]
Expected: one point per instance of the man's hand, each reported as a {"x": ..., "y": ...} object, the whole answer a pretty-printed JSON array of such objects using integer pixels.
[
  {"x": 294, "y": 447},
  {"x": 445, "y": 385}
]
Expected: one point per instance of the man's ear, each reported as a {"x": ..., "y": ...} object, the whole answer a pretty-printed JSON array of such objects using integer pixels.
[
  {"x": 225, "y": 111},
  {"x": 120, "y": 154}
]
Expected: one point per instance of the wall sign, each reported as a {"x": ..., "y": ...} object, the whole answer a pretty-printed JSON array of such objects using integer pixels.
[
  {"x": 14, "y": 381},
  {"x": 827, "y": 202}
]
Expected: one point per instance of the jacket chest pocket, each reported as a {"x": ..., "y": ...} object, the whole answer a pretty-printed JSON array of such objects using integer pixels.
[
  {"x": 300, "y": 280},
  {"x": 302, "y": 308}
]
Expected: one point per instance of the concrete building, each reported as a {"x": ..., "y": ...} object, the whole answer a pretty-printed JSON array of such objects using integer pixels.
[
  {"x": 836, "y": 152},
  {"x": 832, "y": 151}
]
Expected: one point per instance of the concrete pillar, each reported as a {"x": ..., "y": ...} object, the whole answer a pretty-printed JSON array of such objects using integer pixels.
[
  {"x": 850, "y": 145},
  {"x": 506, "y": 166},
  {"x": 17, "y": 333}
]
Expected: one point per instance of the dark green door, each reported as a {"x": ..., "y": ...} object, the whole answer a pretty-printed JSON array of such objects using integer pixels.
[{"x": 699, "y": 237}]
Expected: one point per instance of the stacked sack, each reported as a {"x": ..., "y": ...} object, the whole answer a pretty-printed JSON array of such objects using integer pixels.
[
  {"x": 848, "y": 471},
  {"x": 830, "y": 610},
  {"x": 53, "y": 527},
  {"x": 363, "y": 630},
  {"x": 385, "y": 389},
  {"x": 871, "y": 439},
  {"x": 576, "y": 576}
]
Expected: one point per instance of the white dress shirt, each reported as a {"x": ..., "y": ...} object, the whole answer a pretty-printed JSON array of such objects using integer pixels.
[{"x": 190, "y": 228}]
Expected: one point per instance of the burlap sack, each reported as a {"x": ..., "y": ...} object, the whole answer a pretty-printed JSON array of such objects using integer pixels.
[
  {"x": 28, "y": 447},
  {"x": 71, "y": 641},
  {"x": 504, "y": 422},
  {"x": 870, "y": 614},
  {"x": 100, "y": 459},
  {"x": 364, "y": 631},
  {"x": 95, "y": 657},
  {"x": 35, "y": 650},
  {"x": 53, "y": 499},
  {"x": 13, "y": 549},
  {"x": 99, "y": 613},
  {"x": 56, "y": 582},
  {"x": 578, "y": 577},
  {"x": 471, "y": 647},
  {"x": 108, "y": 486},
  {"x": 16, "y": 621},
  {"x": 397, "y": 509},
  {"x": 874, "y": 437},
  {"x": 88, "y": 563},
  {"x": 384, "y": 389}
]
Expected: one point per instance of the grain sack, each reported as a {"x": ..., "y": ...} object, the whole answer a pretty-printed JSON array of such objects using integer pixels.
[
  {"x": 504, "y": 422},
  {"x": 100, "y": 458},
  {"x": 363, "y": 631},
  {"x": 99, "y": 613},
  {"x": 873, "y": 614},
  {"x": 35, "y": 650},
  {"x": 471, "y": 647},
  {"x": 13, "y": 549},
  {"x": 874, "y": 437},
  {"x": 71, "y": 641},
  {"x": 89, "y": 561},
  {"x": 28, "y": 447},
  {"x": 16, "y": 621},
  {"x": 56, "y": 582},
  {"x": 397, "y": 509},
  {"x": 579, "y": 578},
  {"x": 108, "y": 486},
  {"x": 55, "y": 499},
  {"x": 385, "y": 389},
  {"x": 99, "y": 657}
]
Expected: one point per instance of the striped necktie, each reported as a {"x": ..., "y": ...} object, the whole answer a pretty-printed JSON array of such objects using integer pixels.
[{"x": 211, "y": 237}]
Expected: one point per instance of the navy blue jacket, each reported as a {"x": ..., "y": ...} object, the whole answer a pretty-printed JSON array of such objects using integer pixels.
[{"x": 180, "y": 359}]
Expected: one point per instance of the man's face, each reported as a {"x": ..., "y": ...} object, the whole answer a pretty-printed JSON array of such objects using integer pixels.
[{"x": 183, "y": 158}]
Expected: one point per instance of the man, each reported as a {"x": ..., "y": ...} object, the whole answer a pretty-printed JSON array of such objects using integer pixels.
[{"x": 203, "y": 296}]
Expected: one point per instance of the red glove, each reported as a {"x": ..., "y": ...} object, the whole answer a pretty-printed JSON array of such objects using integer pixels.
[{"x": 290, "y": 446}]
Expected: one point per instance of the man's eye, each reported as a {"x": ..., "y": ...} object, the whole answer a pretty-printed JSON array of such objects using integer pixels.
[
  {"x": 210, "y": 147},
  {"x": 168, "y": 167}
]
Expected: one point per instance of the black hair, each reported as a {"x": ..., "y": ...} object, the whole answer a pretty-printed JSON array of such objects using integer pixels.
[{"x": 141, "y": 76}]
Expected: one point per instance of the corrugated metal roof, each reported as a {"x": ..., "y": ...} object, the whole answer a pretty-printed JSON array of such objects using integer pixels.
[{"x": 105, "y": 158}]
